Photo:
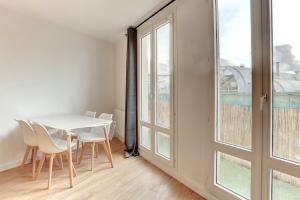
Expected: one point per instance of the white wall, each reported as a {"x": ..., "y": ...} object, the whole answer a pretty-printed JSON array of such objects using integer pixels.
[
  {"x": 120, "y": 85},
  {"x": 195, "y": 62},
  {"x": 45, "y": 69},
  {"x": 194, "y": 91}
]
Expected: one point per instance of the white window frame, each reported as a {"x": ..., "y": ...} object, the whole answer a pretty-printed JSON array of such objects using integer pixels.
[
  {"x": 254, "y": 154},
  {"x": 269, "y": 162},
  {"x": 162, "y": 18},
  {"x": 262, "y": 161}
]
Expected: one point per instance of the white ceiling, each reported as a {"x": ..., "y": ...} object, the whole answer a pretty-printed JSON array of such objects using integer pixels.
[{"x": 103, "y": 19}]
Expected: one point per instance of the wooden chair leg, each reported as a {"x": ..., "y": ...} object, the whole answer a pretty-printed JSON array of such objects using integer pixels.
[
  {"x": 50, "y": 170},
  {"x": 93, "y": 154},
  {"x": 61, "y": 161},
  {"x": 56, "y": 162},
  {"x": 34, "y": 152},
  {"x": 74, "y": 171},
  {"x": 40, "y": 165},
  {"x": 97, "y": 150},
  {"x": 108, "y": 146},
  {"x": 109, "y": 152},
  {"x": 77, "y": 150},
  {"x": 82, "y": 150},
  {"x": 106, "y": 151},
  {"x": 26, "y": 155}
]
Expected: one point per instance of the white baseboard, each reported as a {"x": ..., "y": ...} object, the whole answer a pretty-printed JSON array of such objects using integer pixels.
[
  {"x": 10, "y": 165},
  {"x": 196, "y": 187},
  {"x": 120, "y": 138}
]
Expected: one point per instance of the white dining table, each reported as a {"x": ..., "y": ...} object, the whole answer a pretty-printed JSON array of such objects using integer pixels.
[
  {"x": 67, "y": 123},
  {"x": 71, "y": 122}
]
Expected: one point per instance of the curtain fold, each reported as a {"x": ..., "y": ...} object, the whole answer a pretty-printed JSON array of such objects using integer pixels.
[{"x": 131, "y": 131}]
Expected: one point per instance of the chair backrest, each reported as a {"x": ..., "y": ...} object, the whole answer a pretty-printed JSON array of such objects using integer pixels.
[
  {"x": 29, "y": 136},
  {"x": 90, "y": 114},
  {"x": 106, "y": 116},
  {"x": 112, "y": 130},
  {"x": 45, "y": 142}
]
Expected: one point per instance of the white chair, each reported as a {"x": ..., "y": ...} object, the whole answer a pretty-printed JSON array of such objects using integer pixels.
[
  {"x": 95, "y": 137},
  {"x": 82, "y": 130},
  {"x": 50, "y": 147},
  {"x": 112, "y": 130},
  {"x": 106, "y": 116},
  {"x": 112, "y": 127},
  {"x": 30, "y": 140},
  {"x": 90, "y": 114}
]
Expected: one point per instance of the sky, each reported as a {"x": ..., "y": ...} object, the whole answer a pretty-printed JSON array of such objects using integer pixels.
[
  {"x": 235, "y": 31},
  {"x": 235, "y": 28},
  {"x": 163, "y": 47},
  {"x": 286, "y": 29}
]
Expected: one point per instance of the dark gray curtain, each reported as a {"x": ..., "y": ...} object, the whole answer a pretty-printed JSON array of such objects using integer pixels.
[{"x": 131, "y": 133}]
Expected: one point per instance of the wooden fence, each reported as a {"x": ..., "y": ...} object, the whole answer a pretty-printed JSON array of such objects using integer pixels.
[{"x": 236, "y": 128}]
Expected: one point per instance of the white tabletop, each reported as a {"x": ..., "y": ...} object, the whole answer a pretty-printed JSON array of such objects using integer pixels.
[{"x": 69, "y": 122}]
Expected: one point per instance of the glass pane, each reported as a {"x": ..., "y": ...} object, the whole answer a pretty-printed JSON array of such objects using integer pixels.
[
  {"x": 146, "y": 137},
  {"x": 163, "y": 144},
  {"x": 234, "y": 174},
  {"x": 234, "y": 79},
  {"x": 285, "y": 187},
  {"x": 163, "y": 76},
  {"x": 286, "y": 80},
  {"x": 146, "y": 78}
]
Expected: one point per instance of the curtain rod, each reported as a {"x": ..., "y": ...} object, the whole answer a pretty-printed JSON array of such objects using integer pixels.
[{"x": 155, "y": 13}]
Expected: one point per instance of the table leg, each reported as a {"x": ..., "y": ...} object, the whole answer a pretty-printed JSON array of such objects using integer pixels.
[
  {"x": 108, "y": 145},
  {"x": 70, "y": 161}
]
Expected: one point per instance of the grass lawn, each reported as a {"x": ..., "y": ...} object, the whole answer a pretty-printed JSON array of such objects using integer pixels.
[{"x": 238, "y": 179}]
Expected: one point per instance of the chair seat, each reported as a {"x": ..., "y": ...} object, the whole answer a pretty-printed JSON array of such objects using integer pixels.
[
  {"x": 79, "y": 131},
  {"x": 62, "y": 143},
  {"x": 90, "y": 137}
]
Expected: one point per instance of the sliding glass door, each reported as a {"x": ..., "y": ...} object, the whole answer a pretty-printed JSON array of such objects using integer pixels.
[
  {"x": 156, "y": 90},
  {"x": 257, "y": 100}
]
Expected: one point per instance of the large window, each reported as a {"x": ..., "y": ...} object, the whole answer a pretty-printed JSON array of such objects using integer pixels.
[
  {"x": 163, "y": 72},
  {"x": 257, "y": 110},
  {"x": 156, "y": 93},
  {"x": 234, "y": 96},
  {"x": 286, "y": 80},
  {"x": 146, "y": 78},
  {"x": 234, "y": 72},
  {"x": 285, "y": 105}
]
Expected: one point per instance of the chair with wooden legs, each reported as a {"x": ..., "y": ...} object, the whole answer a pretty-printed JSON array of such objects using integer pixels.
[
  {"x": 82, "y": 130},
  {"x": 99, "y": 129},
  {"x": 50, "y": 147},
  {"x": 94, "y": 139},
  {"x": 30, "y": 140}
]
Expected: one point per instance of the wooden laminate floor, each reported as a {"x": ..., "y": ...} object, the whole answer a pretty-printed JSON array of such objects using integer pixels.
[{"x": 133, "y": 179}]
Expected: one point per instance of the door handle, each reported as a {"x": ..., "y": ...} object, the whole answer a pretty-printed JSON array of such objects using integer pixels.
[{"x": 263, "y": 100}]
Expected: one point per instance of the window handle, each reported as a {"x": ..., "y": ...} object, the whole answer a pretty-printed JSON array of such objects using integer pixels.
[{"x": 263, "y": 100}]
